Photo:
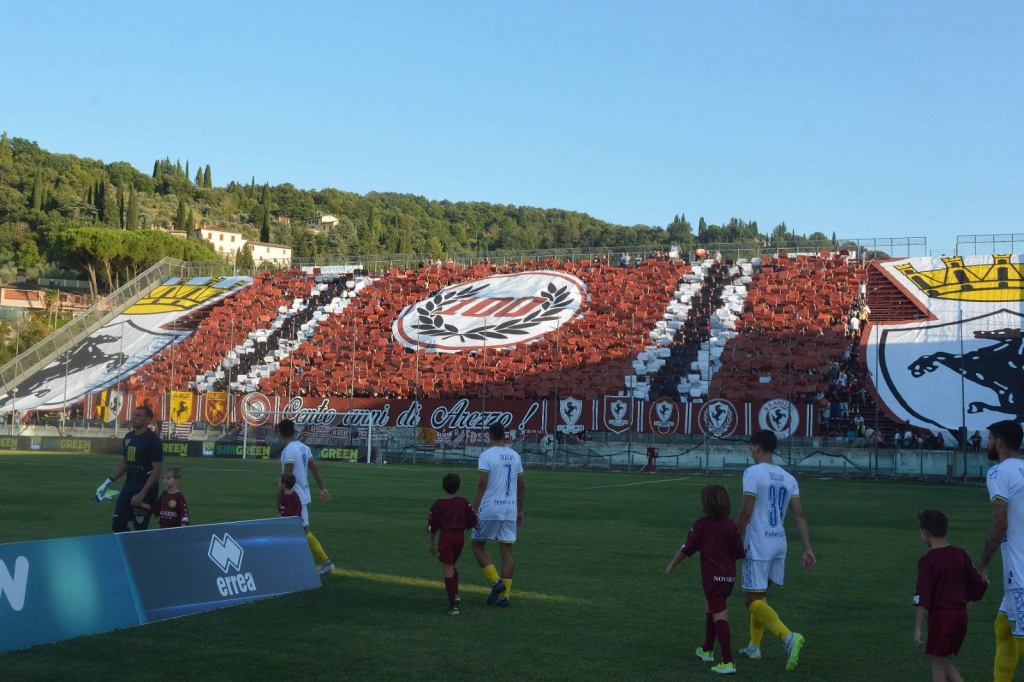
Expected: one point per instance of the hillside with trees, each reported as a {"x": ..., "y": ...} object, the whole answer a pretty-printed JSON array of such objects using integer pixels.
[{"x": 63, "y": 215}]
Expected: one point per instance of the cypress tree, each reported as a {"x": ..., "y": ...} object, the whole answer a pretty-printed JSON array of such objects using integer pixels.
[
  {"x": 186, "y": 168},
  {"x": 108, "y": 210},
  {"x": 156, "y": 169},
  {"x": 180, "y": 217},
  {"x": 191, "y": 224},
  {"x": 131, "y": 216},
  {"x": 199, "y": 178},
  {"x": 207, "y": 183},
  {"x": 265, "y": 226},
  {"x": 252, "y": 188},
  {"x": 88, "y": 196},
  {"x": 37, "y": 192},
  {"x": 177, "y": 167},
  {"x": 120, "y": 208},
  {"x": 243, "y": 258}
]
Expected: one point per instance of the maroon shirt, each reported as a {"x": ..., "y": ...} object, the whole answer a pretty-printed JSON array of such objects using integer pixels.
[
  {"x": 947, "y": 579},
  {"x": 289, "y": 505},
  {"x": 172, "y": 510},
  {"x": 452, "y": 513},
  {"x": 719, "y": 544}
]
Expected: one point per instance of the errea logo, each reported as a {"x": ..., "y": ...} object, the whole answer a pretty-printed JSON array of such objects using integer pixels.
[
  {"x": 498, "y": 311},
  {"x": 227, "y": 554},
  {"x": 14, "y": 586}
]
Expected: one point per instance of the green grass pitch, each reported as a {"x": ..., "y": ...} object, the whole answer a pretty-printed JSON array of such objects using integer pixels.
[{"x": 590, "y": 598}]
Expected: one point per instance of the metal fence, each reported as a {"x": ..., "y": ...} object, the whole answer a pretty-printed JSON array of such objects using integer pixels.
[
  {"x": 989, "y": 243},
  {"x": 896, "y": 247}
]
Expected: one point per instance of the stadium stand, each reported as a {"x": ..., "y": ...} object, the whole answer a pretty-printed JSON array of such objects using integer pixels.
[
  {"x": 793, "y": 324},
  {"x": 354, "y": 353}
]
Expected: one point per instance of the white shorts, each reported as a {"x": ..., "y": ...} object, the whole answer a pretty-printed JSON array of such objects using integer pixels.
[
  {"x": 305, "y": 516},
  {"x": 1013, "y": 608},
  {"x": 757, "y": 573},
  {"x": 502, "y": 531}
]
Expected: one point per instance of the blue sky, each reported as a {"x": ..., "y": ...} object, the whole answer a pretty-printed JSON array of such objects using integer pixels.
[{"x": 870, "y": 119}]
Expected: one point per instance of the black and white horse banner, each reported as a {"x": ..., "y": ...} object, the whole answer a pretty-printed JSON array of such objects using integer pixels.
[
  {"x": 963, "y": 364},
  {"x": 121, "y": 346}
]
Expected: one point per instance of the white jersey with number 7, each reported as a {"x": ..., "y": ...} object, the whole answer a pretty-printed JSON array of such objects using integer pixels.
[{"x": 503, "y": 466}]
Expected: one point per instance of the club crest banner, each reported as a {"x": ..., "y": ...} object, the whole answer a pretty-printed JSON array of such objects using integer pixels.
[
  {"x": 961, "y": 366},
  {"x": 181, "y": 407}
]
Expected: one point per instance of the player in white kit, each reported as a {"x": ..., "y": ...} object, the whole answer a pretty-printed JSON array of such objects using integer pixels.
[
  {"x": 1006, "y": 534},
  {"x": 769, "y": 492},
  {"x": 499, "y": 506}
]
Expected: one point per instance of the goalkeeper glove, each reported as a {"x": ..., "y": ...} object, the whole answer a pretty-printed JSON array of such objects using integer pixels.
[{"x": 100, "y": 492}]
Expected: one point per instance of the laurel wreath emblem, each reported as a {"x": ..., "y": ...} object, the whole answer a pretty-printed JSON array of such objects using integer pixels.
[{"x": 433, "y": 324}]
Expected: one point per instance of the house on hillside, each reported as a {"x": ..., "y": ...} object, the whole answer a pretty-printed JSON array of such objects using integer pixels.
[
  {"x": 226, "y": 242},
  {"x": 278, "y": 254},
  {"x": 321, "y": 222}
]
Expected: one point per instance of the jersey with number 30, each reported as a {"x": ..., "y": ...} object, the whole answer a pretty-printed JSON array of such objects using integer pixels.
[
  {"x": 772, "y": 487},
  {"x": 1006, "y": 482},
  {"x": 504, "y": 467}
]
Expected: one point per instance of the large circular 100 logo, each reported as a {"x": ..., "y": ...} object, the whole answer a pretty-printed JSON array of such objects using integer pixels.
[{"x": 502, "y": 311}]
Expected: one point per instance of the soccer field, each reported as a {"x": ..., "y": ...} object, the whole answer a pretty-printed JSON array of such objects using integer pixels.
[{"x": 590, "y": 598}]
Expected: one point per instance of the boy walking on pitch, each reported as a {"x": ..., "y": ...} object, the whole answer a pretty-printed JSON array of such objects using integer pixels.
[
  {"x": 452, "y": 516},
  {"x": 288, "y": 503},
  {"x": 717, "y": 539},
  {"x": 499, "y": 504},
  {"x": 946, "y": 581},
  {"x": 769, "y": 491},
  {"x": 171, "y": 508}
]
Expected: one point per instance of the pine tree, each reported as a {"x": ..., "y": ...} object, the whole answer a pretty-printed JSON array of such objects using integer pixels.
[
  {"x": 181, "y": 216},
  {"x": 131, "y": 216},
  {"x": 207, "y": 182},
  {"x": 156, "y": 169},
  {"x": 265, "y": 226}
]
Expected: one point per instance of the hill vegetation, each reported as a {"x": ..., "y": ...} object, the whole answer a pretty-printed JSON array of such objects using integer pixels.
[{"x": 62, "y": 211}]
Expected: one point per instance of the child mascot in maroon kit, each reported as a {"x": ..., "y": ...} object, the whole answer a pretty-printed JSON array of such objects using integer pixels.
[
  {"x": 717, "y": 539},
  {"x": 452, "y": 516},
  {"x": 946, "y": 581}
]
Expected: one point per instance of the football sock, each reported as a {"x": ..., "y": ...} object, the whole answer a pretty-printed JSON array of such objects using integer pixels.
[
  {"x": 451, "y": 586},
  {"x": 314, "y": 546},
  {"x": 756, "y": 630},
  {"x": 709, "y": 632},
  {"x": 724, "y": 639},
  {"x": 491, "y": 573},
  {"x": 1006, "y": 650},
  {"x": 769, "y": 618},
  {"x": 508, "y": 587}
]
